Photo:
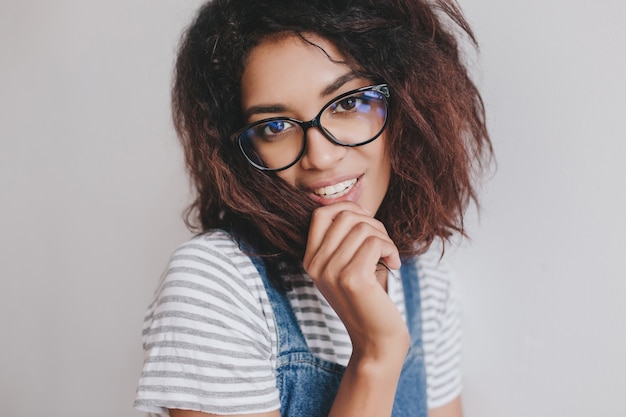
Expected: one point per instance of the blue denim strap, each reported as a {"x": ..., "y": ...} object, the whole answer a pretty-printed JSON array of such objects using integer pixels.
[
  {"x": 308, "y": 384},
  {"x": 410, "y": 400},
  {"x": 412, "y": 301},
  {"x": 290, "y": 337}
]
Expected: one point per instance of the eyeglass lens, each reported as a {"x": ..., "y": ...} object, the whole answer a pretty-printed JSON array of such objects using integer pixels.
[{"x": 350, "y": 121}]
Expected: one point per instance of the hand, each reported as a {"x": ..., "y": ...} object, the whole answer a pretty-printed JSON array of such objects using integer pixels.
[{"x": 344, "y": 248}]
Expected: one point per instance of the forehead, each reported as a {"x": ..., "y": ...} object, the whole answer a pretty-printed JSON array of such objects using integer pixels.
[{"x": 282, "y": 67}]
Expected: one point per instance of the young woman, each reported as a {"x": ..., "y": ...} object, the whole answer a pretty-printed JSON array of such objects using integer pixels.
[{"x": 330, "y": 143}]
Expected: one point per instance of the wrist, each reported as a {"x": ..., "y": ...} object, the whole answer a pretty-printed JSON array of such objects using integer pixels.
[{"x": 384, "y": 351}]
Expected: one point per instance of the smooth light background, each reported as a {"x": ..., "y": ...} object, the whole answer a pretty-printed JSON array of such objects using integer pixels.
[{"x": 92, "y": 186}]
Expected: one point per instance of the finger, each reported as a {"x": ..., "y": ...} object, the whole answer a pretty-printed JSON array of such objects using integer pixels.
[
  {"x": 359, "y": 296},
  {"x": 321, "y": 220},
  {"x": 344, "y": 240},
  {"x": 339, "y": 238}
]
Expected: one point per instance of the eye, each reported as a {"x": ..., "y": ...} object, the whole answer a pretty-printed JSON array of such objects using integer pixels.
[
  {"x": 272, "y": 129},
  {"x": 346, "y": 104}
]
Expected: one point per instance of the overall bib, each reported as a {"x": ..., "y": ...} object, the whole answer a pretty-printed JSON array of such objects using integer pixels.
[{"x": 308, "y": 385}]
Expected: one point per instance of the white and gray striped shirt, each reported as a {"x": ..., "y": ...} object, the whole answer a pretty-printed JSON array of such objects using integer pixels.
[{"x": 210, "y": 339}]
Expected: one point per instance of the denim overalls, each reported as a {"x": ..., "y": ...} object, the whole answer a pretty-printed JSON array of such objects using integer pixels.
[{"x": 308, "y": 385}]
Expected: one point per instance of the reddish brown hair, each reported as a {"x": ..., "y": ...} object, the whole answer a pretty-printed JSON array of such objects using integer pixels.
[{"x": 437, "y": 136}]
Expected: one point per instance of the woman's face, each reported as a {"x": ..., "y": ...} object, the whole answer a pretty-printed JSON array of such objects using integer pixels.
[{"x": 285, "y": 76}]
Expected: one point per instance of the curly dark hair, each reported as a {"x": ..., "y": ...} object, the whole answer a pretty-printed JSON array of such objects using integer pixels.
[{"x": 436, "y": 136}]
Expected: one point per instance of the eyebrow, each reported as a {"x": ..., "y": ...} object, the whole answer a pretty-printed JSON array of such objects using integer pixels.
[
  {"x": 262, "y": 109},
  {"x": 279, "y": 108},
  {"x": 338, "y": 83}
]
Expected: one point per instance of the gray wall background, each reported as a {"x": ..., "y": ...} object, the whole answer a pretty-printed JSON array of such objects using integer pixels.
[{"x": 92, "y": 187}]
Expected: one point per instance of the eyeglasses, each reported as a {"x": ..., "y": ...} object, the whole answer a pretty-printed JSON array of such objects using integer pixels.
[{"x": 352, "y": 119}]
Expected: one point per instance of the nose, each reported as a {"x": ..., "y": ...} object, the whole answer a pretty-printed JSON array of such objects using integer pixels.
[{"x": 320, "y": 152}]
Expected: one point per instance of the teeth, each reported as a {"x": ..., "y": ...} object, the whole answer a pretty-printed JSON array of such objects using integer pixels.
[{"x": 336, "y": 190}]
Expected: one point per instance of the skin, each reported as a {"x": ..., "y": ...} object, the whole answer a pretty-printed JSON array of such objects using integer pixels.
[
  {"x": 272, "y": 85},
  {"x": 284, "y": 76}
]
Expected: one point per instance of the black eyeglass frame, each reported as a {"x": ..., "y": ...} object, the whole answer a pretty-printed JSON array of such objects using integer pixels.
[{"x": 383, "y": 89}]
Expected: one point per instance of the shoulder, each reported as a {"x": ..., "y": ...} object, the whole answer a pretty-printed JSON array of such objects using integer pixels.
[
  {"x": 440, "y": 310},
  {"x": 212, "y": 258},
  {"x": 210, "y": 284},
  {"x": 435, "y": 276},
  {"x": 205, "y": 327},
  {"x": 215, "y": 248}
]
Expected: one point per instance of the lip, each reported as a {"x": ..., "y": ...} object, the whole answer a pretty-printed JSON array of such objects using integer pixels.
[{"x": 352, "y": 195}]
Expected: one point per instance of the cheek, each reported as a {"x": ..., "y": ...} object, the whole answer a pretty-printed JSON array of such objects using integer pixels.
[
  {"x": 385, "y": 173},
  {"x": 383, "y": 160},
  {"x": 384, "y": 169},
  {"x": 288, "y": 175}
]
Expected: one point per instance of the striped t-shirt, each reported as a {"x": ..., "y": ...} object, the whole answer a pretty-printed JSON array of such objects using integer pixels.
[{"x": 210, "y": 340}]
